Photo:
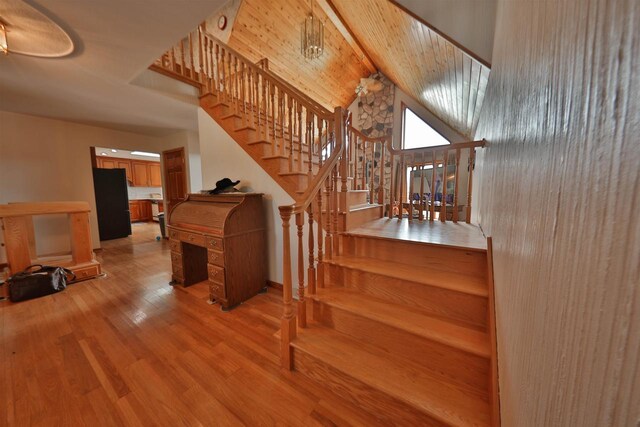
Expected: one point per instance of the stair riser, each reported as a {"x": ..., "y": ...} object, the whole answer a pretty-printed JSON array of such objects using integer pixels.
[
  {"x": 454, "y": 365},
  {"x": 434, "y": 256},
  {"x": 452, "y": 305},
  {"x": 356, "y": 198},
  {"x": 389, "y": 410},
  {"x": 359, "y": 217}
]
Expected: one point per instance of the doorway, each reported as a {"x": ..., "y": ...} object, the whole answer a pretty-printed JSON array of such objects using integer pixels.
[{"x": 175, "y": 177}]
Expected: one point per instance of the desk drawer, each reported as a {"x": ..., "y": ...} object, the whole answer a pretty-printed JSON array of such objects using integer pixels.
[
  {"x": 216, "y": 274},
  {"x": 176, "y": 260},
  {"x": 216, "y": 291},
  {"x": 214, "y": 243},
  {"x": 192, "y": 238},
  {"x": 175, "y": 246},
  {"x": 216, "y": 258}
]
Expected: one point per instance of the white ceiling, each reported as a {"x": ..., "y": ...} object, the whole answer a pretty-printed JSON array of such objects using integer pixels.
[{"x": 115, "y": 40}]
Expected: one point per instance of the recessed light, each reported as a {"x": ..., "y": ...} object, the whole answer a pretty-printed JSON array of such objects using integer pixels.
[
  {"x": 144, "y": 154},
  {"x": 114, "y": 151},
  {"x": 103, "y": 154}
]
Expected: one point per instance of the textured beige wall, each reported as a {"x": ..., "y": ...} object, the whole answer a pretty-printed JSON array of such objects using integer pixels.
[{"x": 560, "y": 195}]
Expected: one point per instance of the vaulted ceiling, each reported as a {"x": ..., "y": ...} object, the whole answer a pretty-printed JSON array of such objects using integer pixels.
[
  {"x": 271, "y": 29},
  {"x": 431, "y": 68},
  {"x": 360, "y": 37}
]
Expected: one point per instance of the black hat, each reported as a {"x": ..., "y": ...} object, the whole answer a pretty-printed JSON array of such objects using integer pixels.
[{"x": 223, "y": 184}]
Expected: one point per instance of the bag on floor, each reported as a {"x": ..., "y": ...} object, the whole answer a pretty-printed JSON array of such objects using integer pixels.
[{"x": 38, "y": 280}]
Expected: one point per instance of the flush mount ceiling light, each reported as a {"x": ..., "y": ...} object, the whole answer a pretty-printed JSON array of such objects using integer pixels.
[
  {"x": 312, "y": 36},
  {"x": 144, "y": 154},
  {"x": 28, "y": 31}
]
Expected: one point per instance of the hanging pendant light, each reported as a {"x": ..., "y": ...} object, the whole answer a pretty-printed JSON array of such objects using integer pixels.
[{"x": 312, "y": 36}]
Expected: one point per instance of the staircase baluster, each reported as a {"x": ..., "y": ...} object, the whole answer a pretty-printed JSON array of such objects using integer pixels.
[
  {"x": 328, "y": 234},
  {"x": 210, "y": 64},
  {"x": 410, "y": 187},
  {"x": 392, "y": 184},
  {"x": 282, "y": 98},
  {"x": 432, "y": 208},
  {"x": 421, "y": 204},
  {"x": 336, "y": 207},
  {"x": 372, "y": 173},
  {"x": 192, "y": 73},
  {"x": 310, "y": 145},
  {"x": 174, "y": 66},
  {"x": 302, "y": 305},
  {"x": 222, "y": 73},
  {"x": 401, "y": 178},
  {"x": 472, "y": 163},
  {"x": 320, "y": 279},
  {"x": 455, "y": 188},
  {"x": 443, "y": 205},
  {"x": 201, "y": 51},
  {"x": 382, "y": 187},
  {"x": 182, "y": 64},
  {"x": 321, "y": 145},
  {"x": 290, "y": 128},
  {"x": 301, "y": 137},
  {"x": 288, "y": 322},
  {"x": 265, "y": 104},
  {"x": 311, "y": 271},
  {"x": 273, "y": 119},
  {"x": 243, "y": 91}
]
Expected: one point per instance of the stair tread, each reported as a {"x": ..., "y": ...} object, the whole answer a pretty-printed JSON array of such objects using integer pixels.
[
  {"x": 413, "y": 320},
  {"x": 458, "y": 282},
  {"x": 402, "y": 380},
  {"x": 364, "y": 206}
]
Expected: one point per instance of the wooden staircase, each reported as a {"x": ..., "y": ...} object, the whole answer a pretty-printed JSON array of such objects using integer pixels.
[
  {"x": 399, "y": 325},
  {"x": 401, "y": 329}
]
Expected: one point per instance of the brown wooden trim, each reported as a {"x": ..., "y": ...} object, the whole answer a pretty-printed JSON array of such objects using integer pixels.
[
  {"x": 366, "y": 60},
  {"x": 94, "y": 159},
  {"x": 494, "y": 385},
  {"x": 183, "y": 79},
  {"x": 440, "y": 33},
  {"x": 275, "y": 285}
]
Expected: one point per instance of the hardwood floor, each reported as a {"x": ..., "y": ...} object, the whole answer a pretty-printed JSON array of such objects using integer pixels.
[{"x": 131, "y": 350}]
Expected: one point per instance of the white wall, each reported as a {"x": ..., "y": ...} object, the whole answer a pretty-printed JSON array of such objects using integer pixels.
[
  {"x": 223, "y": 157},
  {"x": 560, "y": 195},
  {"x": 49, "y": 160}
]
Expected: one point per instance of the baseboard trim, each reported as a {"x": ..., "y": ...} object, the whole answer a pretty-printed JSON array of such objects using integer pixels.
[{"x": 275, "y": 285}]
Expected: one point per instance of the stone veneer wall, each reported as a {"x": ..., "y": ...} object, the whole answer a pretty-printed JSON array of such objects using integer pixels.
[
  {"x": 375, "y": 114},
  {"x": 375, "y": 109}
]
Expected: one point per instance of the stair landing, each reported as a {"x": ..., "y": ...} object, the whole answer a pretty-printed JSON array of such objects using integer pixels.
[{"x": 456, "y": 235}]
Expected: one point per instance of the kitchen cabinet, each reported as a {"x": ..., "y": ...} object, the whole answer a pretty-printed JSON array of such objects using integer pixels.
[
  {"x": 134, "y": 211},
  {"x": 140, "y": 210},
  {"x": 126, "y": 165},
  {"x": 106, "y": 163},
  {"x": 140, "y": 173},
  {"x": 155, "y": 176}
]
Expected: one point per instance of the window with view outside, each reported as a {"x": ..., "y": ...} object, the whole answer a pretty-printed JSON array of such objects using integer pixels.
[{"x": 417, "y": 133}]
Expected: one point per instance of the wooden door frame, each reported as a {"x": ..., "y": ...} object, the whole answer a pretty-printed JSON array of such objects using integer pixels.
[{"x": 165, "y": 176}]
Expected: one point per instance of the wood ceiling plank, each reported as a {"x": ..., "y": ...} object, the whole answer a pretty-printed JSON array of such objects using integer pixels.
[
  {"x": 272, "y": 30},
  {"x": 422, "y": 62}
]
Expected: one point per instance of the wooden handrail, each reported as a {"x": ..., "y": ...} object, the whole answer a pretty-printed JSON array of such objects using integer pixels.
[
  {"x": 271, "y": 76},
  {"x": 434, "y": 148}
]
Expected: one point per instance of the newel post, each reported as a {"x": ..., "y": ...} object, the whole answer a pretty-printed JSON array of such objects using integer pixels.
[{"x": 288, "y": 323}]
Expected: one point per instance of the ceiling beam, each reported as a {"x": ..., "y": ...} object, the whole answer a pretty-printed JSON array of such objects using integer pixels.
[{"x": 335, "y": 17}]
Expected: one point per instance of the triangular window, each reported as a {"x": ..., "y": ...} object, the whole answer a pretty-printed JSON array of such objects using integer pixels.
[{"x": 416, "y": 133}]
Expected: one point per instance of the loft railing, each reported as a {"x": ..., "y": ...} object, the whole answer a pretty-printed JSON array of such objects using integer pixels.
[{"x": 422, "y": 183}]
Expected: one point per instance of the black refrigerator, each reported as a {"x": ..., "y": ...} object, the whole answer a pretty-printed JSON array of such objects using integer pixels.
[{"x": 112, "y": 203}]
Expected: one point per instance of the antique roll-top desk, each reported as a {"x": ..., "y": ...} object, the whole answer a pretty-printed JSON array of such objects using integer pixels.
[{"x": 221, "y": 239}]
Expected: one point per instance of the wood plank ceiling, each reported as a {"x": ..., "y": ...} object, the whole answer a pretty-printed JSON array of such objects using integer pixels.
[
  {"x": 424, "y": 64},
  {"x": 271, "y": 29}
]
